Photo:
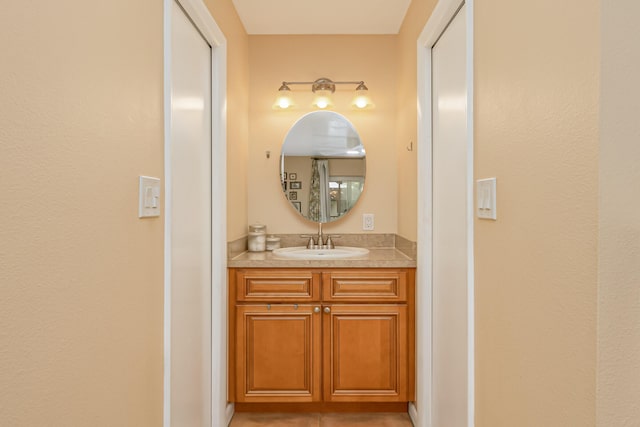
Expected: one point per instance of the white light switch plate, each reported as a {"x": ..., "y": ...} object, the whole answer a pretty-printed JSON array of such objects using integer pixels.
[
  {"x": 486, "y": 198},
  {"x": 148, "y": 197}
]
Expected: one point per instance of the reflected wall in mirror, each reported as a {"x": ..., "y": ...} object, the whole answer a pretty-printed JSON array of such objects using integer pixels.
[{"x": 325, "y": 154}]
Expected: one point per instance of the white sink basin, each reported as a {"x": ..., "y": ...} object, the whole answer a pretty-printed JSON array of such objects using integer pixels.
[{"x": 301, "y": 252}]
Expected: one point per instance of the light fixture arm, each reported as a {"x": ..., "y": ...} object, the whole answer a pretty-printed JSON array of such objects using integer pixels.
[{"x": 324, "y": 83}]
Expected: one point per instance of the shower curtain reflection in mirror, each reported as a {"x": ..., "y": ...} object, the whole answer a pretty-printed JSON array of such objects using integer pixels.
[{"x": 319, "y": 201}]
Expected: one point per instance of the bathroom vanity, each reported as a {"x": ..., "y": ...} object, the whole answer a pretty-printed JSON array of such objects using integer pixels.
[
  {"x": 314, "y": 326},
  {"x": 322, "y": 333}
]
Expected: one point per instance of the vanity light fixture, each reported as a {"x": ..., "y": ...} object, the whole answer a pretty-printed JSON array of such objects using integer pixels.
[{"x": 323, "y": 88}]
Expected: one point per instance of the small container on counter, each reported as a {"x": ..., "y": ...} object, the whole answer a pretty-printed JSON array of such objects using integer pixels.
[
  {"x": 257, "y": 239},
  {"x": 273, "y": 242}
]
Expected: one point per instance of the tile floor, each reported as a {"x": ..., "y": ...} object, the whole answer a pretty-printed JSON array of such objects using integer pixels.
[{"x": 254, "y": 419}]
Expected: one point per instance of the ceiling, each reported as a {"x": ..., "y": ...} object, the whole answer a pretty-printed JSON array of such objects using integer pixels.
[{"x": 322, "y": 16}]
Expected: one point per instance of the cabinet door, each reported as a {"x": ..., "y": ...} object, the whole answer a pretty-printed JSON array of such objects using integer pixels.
[
  {"x": 278, "y": 353},
  {"x": 365, "y": 353}
]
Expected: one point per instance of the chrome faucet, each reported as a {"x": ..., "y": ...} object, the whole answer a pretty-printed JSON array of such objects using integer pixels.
[{"x": 320, "y": 241}]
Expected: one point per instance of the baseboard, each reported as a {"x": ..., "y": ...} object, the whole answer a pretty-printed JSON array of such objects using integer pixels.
[
  {"x": 229, "y": 410},
  {"x": 413, "y": 413},
  {"x": 323, "y": 407}
]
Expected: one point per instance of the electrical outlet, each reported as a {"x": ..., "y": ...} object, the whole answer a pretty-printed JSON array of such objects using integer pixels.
[{"x": 367, "y": 222}]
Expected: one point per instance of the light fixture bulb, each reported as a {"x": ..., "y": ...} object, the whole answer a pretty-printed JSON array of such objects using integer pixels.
[
  {"x": 284, "y": 100},
  {"x": 360, "y": 102},
  {"x": 322, "y": 99},
  {"x": 322, "y": 103},
  {"x": 361, "y": 99}
]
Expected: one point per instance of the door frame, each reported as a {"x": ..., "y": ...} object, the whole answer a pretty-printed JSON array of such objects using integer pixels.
[
  {"x": 421, "y": 412},
  {"x": 221, "y": 411}
]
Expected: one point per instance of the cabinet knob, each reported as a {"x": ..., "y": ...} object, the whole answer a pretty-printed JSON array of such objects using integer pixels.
[
  {"x": 327, "y": 309},
  {"x": 316, "y": 309}
]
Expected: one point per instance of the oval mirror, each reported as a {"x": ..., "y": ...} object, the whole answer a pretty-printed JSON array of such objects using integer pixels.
[{"x": 322, "y": 166}]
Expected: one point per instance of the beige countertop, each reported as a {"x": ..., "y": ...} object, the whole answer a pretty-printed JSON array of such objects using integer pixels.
[{"x": 376, "y": 258}]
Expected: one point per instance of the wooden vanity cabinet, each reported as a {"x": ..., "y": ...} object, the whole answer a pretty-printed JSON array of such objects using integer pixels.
[
  {"x": 275, "y": 335},
  {"x": 340, "y": 335}
]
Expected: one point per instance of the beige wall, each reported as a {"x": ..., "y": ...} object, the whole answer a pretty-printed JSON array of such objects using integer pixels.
[
  {"x": 536, "y": 101},
  {"x": 81, "y": 276},
  {"x": 237, "y": 114},
  {"x": 619, "y": 208},
  {"x": 407, "y": 116},
  {"x": 306, "y": 58}
]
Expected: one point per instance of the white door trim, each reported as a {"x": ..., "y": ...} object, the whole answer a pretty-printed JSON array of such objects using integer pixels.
[
  {"x": 221, "y": 412},
  {"x": 443, "y": 13}
]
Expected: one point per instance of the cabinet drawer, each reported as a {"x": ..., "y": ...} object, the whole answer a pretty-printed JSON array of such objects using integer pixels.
[
  {"x": 267, "y": 285},
  {"x": 365, "y": 286}
]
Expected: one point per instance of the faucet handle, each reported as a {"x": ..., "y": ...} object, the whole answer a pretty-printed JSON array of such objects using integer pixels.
[
  {"x": 311, "y": 243},
  {"x": 329, "y": 242}
]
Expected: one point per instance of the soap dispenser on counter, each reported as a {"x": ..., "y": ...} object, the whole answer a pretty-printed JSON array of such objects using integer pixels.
[
  {"x": 257, "y": 239},
  {"x": 273, "y": 242}
]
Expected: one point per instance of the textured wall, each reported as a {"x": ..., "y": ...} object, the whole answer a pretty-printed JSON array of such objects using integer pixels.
[
  {"x": 306, "y": 58},
  {"x": 81, "y": 276},
  {"x": 619, "y": 244},
  {"x": 227, "y": 19},
  {"x": 536, "y": 87},
  {"x": 407, "y": 117}
]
